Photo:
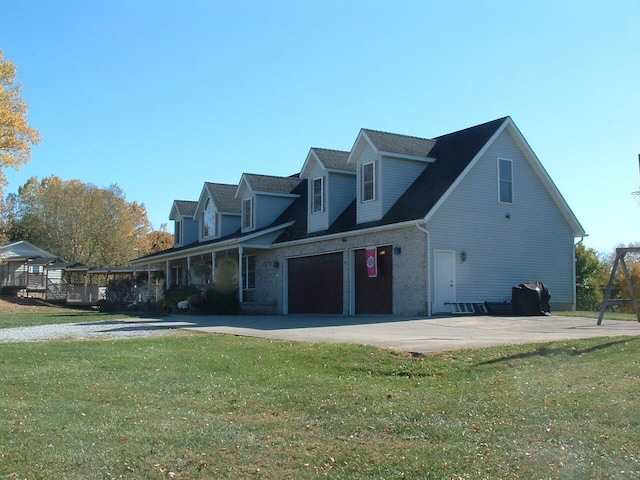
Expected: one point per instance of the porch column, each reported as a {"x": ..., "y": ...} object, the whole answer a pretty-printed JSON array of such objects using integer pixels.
[
  {"x": 167, "y": 274},
  {"x": 240, "y": 252},
  {"x": 189, "y": 270}
]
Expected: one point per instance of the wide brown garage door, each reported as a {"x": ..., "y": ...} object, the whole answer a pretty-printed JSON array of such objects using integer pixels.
[
  {"x": 315, "y": 284},
  {"x": 374, "y": 295}
]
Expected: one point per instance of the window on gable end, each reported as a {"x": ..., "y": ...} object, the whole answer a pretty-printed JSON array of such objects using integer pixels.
[
  {"x": 317, "y": 195},
  {"x": 505, "y": 180},
  {"x": 368, "y": 178},
  {"x": 247, "y": 213}
]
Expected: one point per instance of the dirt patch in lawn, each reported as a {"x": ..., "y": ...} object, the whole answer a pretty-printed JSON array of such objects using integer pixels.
[{"x": 14, "y": 304}]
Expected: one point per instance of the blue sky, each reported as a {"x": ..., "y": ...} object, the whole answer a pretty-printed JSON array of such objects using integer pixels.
[{"x": 160, "y": 96}]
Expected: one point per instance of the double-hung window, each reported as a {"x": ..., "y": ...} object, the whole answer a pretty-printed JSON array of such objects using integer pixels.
[
  {"x": 368, "y": 178},
  {"x": 247, "y": 213},
  {"x": 318, "y": 195},
  {"x": 505, "y": 180}
]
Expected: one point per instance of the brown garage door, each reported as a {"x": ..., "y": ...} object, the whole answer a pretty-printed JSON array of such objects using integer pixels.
[
  {"x": 374, "y": 295},
  {"x": 315, "y": 284}
]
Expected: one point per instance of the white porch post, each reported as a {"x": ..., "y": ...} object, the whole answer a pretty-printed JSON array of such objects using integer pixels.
[
  {"x": 167, "y": 274},
  {"x": 189, "y": 270},
  {"x": 240, "y": 252}
]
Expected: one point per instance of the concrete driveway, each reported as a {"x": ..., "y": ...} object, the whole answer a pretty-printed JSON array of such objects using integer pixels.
[{"x": 420, "y": 335}]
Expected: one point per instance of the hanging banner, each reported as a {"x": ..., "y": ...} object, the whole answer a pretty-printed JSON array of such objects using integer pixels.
[{"x": 371, "y": 256}]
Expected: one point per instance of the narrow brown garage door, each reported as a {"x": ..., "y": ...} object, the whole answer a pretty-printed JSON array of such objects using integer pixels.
[
  {"x": 374, "y": 295},
  {"x": 315, "y": 284}
]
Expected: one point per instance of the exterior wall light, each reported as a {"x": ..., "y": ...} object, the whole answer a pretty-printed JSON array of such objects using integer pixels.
[
  {"x": 463, "y": 255},
  {"x": 276, "y": 264},
  {"x": 397, "y": 250}
]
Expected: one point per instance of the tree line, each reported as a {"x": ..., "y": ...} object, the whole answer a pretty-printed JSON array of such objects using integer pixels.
[
  {"x": 593, "y": 271},
  {"x": 78, "y": 222}
]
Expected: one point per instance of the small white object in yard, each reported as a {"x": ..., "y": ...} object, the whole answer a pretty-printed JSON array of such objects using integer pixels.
[{"x": 183, "y": 305}]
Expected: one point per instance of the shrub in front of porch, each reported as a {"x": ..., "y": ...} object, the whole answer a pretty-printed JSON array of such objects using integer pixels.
[
  {"x": 221, "y": 302},
  {"x": 176, "y": 294}
]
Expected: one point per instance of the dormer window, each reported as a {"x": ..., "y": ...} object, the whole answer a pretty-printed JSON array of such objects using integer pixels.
[
  {"x": 318, "y": 195},
  {"x": 368, "y": 181},
  {"x": 247, "y": 213},
  {"x": 209, "y": 220}
]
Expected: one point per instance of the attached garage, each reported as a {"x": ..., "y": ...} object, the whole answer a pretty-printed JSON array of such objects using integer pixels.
[{"x": 315, "y": 284}]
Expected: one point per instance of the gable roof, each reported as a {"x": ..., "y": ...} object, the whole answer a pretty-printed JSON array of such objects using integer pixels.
[
  {"x": 22, "y": 250},
  {"x": 183, "y": 208},
  {"x": 454, "y": 152},
  {"x": 395, "y": 145},
  {"x": 333, "y": 159},
  {"x": 269, "y": 184},
  {"x": 224, "y": 197}
]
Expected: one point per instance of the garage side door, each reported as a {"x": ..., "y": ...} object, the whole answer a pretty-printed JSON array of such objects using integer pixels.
[{"x": 315, "y": 284}]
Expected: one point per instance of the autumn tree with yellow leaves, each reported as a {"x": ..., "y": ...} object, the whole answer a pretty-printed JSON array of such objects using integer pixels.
[
  {"x": 16, "y": 136},
  {"x": 79, "y": 222}
]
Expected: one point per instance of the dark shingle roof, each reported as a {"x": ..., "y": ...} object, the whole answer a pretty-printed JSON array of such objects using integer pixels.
[
  {"x": 186, "y": 208},
  {"x": 224, "y": 197},
  {"x": 400, "y": 144},
  {"x": 271, "y": 184},
  {"x": 453, "y": 152},
  {"x": 334, "y": 159}
]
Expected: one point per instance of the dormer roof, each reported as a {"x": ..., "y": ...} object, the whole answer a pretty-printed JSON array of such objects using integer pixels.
[
  {"x": 395, "y": 145},
  {"x": 329, "y": 160},
  {"x": 223, "y": 196},
  {"x": 268, "y": 184},
  {"x": 183, "y": 208}
]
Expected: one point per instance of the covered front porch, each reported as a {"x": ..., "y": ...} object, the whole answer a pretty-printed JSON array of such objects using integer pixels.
[{"x": 229, "y": 269}]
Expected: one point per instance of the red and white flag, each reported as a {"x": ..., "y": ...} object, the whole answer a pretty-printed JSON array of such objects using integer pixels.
[{"x": 371, "y": 256}]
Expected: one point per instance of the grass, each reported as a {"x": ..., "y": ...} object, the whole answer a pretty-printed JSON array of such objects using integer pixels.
[
  {"x": 212, "y": 406},
  {"x": 48, "y": 315}
]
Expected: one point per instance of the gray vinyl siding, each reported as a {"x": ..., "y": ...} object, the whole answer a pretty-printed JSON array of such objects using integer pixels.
[
  {"x": 372, "y": 210},
  {"x": 398, "y": 176},
  {"x": 534, "y": 243},
  {"x": 190, "y": 231},
  {"x": 317, "y": 221},
  {"x": 267, "y": 208},
  {"x": 229, "y": 224},
  {"x": 341, "y": 191}
]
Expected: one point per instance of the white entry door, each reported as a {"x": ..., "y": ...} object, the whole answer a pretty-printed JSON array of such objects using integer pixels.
[{"x": 444, "y": 281}]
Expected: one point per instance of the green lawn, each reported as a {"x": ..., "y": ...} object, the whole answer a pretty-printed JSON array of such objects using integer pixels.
[
  {"x": 56, "y": 315},
  {"x": 202, "y": 406}
]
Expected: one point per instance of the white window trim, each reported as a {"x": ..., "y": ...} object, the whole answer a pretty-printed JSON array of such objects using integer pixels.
[
  {"x": 500, "y": 182},
  {"x": 313, "y": 196},
  {"x": 250, "y": 202},
  {"x": 362, "y": 185}
]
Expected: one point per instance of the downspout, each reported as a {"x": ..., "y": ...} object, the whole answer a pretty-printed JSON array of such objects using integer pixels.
[
  {"x": 240, "y": 272},
  {"x": 575, "y": 287},
  {"x": 427, "y": 276}
]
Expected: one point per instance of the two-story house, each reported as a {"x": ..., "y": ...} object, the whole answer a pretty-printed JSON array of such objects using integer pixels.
[{"x": 397, "y": 225}]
